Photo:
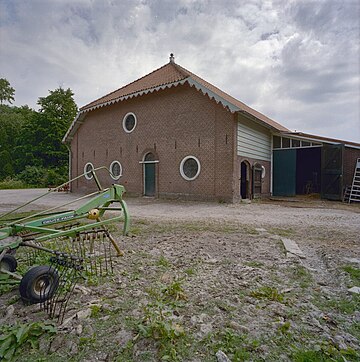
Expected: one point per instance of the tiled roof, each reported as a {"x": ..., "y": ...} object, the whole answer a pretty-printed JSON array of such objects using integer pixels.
[
  {"x": 170, "y": 75},
  {"x": 242, "y": 106},
  {"x": 167, "y": 74}
]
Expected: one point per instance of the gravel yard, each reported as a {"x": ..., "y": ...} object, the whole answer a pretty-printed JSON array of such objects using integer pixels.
[{"x": 199, "y": 278}]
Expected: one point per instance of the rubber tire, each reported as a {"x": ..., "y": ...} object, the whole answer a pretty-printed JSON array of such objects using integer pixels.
[
  {"x": 9, "y": 263},
  {"x": 30, "y": 288}
]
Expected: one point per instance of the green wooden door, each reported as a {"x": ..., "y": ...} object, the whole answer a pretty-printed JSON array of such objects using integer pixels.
[
  {"x": 284, "y": 172},
  {"x": 332, "y": 172},
  {"x": 149, "y": 174}
]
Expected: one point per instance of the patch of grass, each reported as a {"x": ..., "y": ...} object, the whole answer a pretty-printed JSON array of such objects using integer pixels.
[
  {"x": 174, "y": 291},
  {"x": 237, "y": 346},
  {"x": 354, "y": 329},
  {"x": 354, "y": 274},
  {"x": 301, "y": 275},
  {"x": 17, "y": 215},
  {"x": 326, "y": 352},
  {"x": 7, "y": 283},
  {"x": 10, "y": 183},
  {"x": 345, "y": 305},
  {"x": 19, "y": 336},
  {"x": 95, "y": 311},
  {"x": 282, "y": 232},
  {"x": 284, "y": 327},
  {"x": 163, "y": 262},
  {"x": 158, "y": 325},
  {"x": 267, "y": 293},
  {"x": 254, "y": 264},
  {"x": 249, "y": 230},
  {"x": 190, "y": 271}
]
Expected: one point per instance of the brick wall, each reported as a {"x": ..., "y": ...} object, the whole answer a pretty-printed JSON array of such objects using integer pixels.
[
  {"x": 172, "y": 124},
  {"x": 350, "y": 157},
  {"x": 265, "y": 182}
]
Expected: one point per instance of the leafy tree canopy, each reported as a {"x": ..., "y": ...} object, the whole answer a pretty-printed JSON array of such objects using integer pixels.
[
  {"x": 42, "y": 134},
  {"x": 30, "y": 141},
  {"x": 6, "y": 91},
  {"x": 59, "y": 104}
]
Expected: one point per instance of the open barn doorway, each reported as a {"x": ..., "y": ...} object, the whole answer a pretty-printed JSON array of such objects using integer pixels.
[{"x": 297, "y": 171}]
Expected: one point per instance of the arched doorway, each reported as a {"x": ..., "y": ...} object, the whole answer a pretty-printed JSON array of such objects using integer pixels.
[
  {"x": 258, "y": 172},
  {"x": 149, "y": 174},
  {"x": 245, "y": 180}
]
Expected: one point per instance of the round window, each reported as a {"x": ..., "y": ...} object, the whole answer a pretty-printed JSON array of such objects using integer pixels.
[
  {"x": 87, "y": 171},
  {"x": 129, "y": 122},
  {"x": 190, "y": 168},
  {"x": 116, "y": 170}
]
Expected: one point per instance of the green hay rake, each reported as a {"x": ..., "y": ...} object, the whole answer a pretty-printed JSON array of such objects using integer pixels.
[{"x": 71, "y": 248}]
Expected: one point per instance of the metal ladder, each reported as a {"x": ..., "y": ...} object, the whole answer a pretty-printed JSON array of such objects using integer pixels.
[{"x": 355, "y": 187}]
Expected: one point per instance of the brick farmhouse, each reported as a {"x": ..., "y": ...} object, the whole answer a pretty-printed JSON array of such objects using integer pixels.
[{"x": 172, "y": 134}]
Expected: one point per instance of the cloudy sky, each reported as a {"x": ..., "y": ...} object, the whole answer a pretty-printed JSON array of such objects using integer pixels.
[{"x": 296, "y": 61}]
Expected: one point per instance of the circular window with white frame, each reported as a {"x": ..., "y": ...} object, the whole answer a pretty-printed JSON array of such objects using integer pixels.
[
  {"x": 87, "y": 171},
  {"x": 129, "y": 122},
  {"x": 115, "y": 170},
  {"x": 190, "y": 168}
]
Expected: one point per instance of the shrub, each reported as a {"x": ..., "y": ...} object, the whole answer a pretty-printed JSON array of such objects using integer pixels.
[
  {"x": 10, "y": 183},
  {"x": 33, "y": 176}
]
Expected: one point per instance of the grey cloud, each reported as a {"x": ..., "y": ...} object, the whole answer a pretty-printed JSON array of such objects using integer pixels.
[{"x": 295, "y": 61}]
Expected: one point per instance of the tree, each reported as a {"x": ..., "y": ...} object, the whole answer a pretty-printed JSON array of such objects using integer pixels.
[
  {"x": 12, "y": 121},
  {"x": 42, "y": 134},
  {"x": 6, "y": 91}
]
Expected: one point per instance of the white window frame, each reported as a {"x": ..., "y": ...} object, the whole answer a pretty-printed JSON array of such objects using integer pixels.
[
  {"x": 124, "y": 120},
  {"x": 182, "y": 168},
  {"x": 111, "y": 172},
  {"x": 88, "y": 175}
]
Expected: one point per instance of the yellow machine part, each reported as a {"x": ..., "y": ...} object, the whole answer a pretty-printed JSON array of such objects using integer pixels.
[{"x": 93, "y": 214}]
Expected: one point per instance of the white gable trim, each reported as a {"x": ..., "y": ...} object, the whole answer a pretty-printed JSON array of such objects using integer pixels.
[
  {"x": 212, "y": 95},
  {"x": 81, "y": 115}
]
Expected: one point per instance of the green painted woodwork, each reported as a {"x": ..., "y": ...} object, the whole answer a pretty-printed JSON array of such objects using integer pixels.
[
  {"x": 41, "y": 224},
  {"x": 284, "y": 172},
  {"x": 149, "y": 179}
]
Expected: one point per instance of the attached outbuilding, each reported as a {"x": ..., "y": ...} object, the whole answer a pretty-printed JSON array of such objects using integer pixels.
[{"x": 172, "y": 134}]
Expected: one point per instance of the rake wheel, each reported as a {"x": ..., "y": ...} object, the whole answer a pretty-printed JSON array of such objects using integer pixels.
[
  {"x": 39, "y": 284},
  {"x": 8, "y": 262}
]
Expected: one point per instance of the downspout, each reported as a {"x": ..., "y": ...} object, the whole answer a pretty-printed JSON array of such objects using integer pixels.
[
  {"x": 271, "y": 163},
  {"x": 70, "y": 165}
]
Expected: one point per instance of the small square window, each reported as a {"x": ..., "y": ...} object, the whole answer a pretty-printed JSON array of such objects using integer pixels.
[
  {"x": 276, "y": 142},
  {"x": 285, "y": 142}
]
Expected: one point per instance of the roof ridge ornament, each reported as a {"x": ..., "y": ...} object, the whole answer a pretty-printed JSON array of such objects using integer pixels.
[{"x": 172, "y": 58}]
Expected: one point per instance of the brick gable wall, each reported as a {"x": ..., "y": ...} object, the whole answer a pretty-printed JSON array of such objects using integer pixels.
[{"x": 172, "y": 124}]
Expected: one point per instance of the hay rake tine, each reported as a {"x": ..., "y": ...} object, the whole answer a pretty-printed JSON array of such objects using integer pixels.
[
  {"x": 74, "y": 277},
  {"x": 90, "y": 242}
]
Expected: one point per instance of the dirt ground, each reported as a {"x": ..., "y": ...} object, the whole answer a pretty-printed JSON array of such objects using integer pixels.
[{"x": 200, "y": 278}]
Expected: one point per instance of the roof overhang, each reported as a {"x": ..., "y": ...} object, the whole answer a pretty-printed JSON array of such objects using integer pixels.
[
  {"x": 232, "y": 108},
  {"x": 319, "y": 139},
  {"x": 257, "y": 120},
  {"x": 79, "y": 119}
]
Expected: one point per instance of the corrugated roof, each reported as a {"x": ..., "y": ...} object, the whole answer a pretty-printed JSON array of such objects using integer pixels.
[
  {"x": 171, "y": 74},
  {"x": 321, "y": 138}
]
